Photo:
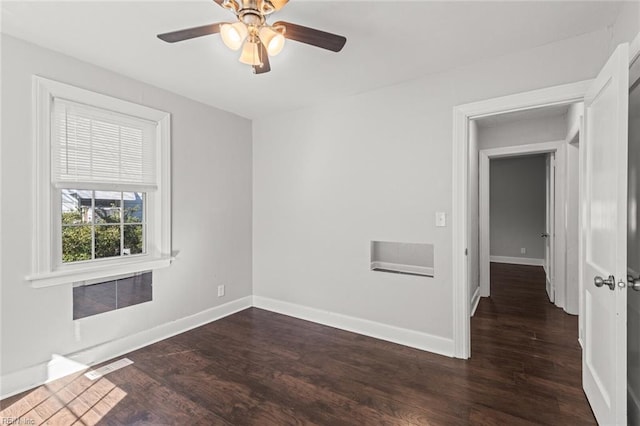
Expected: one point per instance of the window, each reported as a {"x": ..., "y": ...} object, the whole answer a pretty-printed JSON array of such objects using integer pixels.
[
  {"x": 101, "y": 224},
  {"x": 102, "y": 205}
]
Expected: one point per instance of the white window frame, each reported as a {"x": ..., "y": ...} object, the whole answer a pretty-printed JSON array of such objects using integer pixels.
[{"x": 47, "y": 270}]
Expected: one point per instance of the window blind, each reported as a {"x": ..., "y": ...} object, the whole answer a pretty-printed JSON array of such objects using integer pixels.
[{"x": 95, "y": 148}]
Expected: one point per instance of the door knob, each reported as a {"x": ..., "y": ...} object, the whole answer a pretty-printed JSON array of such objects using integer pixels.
[
  {"x": 634, "y": 283},
  {"x": 544, "y": 235},
  {"x": 610, "y": 282}
]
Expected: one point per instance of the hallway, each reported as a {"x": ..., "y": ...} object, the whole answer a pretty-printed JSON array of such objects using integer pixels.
[{"x": 533, "y": 346}]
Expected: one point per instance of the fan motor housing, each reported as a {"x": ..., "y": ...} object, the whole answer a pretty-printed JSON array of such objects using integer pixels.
[{"x": 251, "y": 17}]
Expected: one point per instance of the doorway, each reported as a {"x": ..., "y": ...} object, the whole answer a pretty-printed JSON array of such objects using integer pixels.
[
  {"x": 523, "y": 186},
  {"x": 462, "y": 212},
  {"x": 527, "y": 145},
  {"x": 603, "y": 242}
]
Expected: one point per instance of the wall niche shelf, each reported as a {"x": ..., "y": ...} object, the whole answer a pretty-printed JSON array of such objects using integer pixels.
[{"x": 402, "y": 258}]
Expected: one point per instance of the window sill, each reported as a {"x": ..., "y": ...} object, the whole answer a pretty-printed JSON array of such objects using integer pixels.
[
  {"x": 49, "y": 279},
  {"x": 399, "y": 268}
]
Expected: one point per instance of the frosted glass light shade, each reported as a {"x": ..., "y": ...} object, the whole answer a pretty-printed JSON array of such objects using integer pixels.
[
  {"x": 250, "y": 53},
  {"x": 233, "y": 34},
  {"x": 273, "y": 40}
]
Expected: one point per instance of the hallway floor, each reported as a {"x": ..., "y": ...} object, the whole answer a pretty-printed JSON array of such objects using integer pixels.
[{"x": 533, "y": 346}]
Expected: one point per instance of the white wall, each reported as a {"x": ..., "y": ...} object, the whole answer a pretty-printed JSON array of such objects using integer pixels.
[
  {"x": 377, "y": 166},
  {"x": 211, "y": 207},
  {"x": 517, "y": 206},
  {"x": 473, "y": 202},
  {"x": 522, "y": 132}
]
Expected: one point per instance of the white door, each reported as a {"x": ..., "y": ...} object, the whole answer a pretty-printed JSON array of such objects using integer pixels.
[
  {"x": 604, "y": 258},
  {"x": 549, "y": 231}
]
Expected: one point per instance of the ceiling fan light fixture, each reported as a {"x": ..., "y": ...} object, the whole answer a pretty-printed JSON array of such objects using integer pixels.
[
  {"x": 250, "y": 32},
  {"x": 250, "y": 53},
  {"x": 233, "y": 34},
  {"x": 272, "y": 39}
]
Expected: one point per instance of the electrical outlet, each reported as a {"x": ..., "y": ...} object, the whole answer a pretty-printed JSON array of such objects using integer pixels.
[
  {"x": 221, "y": 290},
  {"x": 523, "y": 250}
]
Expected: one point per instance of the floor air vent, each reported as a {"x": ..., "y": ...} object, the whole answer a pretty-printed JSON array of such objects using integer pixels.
[{"x": 106, "y": 369}]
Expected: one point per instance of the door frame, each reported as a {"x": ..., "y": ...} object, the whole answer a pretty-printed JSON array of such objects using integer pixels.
[
  {"x": 633, "y": 396},
  {"x": 484, "y": 222},
  {"x": 462, "y": 115},
  {"x": 550, "y": 250}
]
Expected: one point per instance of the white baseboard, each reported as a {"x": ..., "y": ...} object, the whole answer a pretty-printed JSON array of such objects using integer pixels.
[
  {"x": 402, "y": 336},
  {"x": 60, "y": 366},
  {"x": 475, "y": 300},
  {"x": 530, "y": 261}
]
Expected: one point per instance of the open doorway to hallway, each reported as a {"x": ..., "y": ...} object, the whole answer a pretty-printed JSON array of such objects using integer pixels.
[
  {"x": 603, "y": 201},
  {"x": 523, "y": 198},
  {"x": 523, "y": 262}
]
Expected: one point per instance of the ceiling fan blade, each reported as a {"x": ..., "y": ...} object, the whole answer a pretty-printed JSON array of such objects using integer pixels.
[
  {"x": 311, "y": 36},
  {"x": 264, "y": 57},
  {"x": 188, "y": 33}
]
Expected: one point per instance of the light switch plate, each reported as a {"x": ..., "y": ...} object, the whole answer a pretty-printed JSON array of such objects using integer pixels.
[{"x": 441, "y": 219}]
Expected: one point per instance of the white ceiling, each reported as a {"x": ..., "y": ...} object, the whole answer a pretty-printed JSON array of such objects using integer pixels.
[{"x": 388, "y": 42}]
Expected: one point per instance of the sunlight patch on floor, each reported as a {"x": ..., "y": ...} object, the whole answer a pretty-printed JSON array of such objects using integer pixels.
[{"x": 74, "y": 399}]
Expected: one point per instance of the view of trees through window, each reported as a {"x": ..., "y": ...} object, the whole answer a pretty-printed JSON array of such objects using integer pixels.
[{"x": 101, "y": 224}]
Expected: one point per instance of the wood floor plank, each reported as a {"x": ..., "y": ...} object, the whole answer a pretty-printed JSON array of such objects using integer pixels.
[{"x": 261, "y": 368}]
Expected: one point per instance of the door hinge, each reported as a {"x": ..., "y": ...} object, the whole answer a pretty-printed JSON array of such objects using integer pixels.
[{"x": 466, "y": 252}]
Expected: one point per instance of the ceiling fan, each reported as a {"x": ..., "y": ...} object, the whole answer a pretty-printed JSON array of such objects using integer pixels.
[{"x": 258, "y": 39}]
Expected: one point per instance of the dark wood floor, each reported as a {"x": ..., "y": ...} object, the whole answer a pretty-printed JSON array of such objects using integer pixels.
[{"x": 257, "y": 367}]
